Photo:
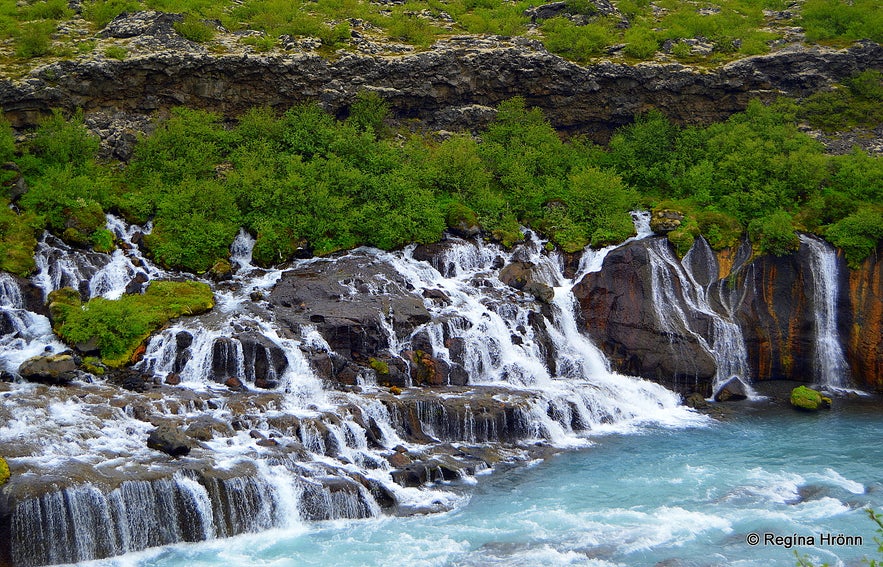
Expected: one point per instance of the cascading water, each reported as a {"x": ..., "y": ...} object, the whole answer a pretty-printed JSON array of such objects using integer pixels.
[
  {"x": 290, "y": 449},
  {"x": 830, "y": 363},
  {"x": 681, "y": 304}
]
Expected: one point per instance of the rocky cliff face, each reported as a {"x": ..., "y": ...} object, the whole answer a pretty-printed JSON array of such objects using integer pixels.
[
  {"x": 453, "y": 85},
  {"x": 864, "y": 349},
  {"x": 618, "y": 311},
  {"x": 777, "y": 304}
]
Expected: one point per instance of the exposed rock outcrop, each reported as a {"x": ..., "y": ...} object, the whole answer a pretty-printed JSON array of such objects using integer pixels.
[
  {"x": 617, "y": 311},
  {"x": 864, "y": 349},
  {"x": 55, "y": 369},
  {"x": 441, "y": 86},
  {"x": 770, "y": 298}
]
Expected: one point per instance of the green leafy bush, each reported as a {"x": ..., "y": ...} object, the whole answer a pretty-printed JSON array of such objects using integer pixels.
[
  {"x": 33, "y": 39},
  {"x": 60, "y": 142},
  {"x": 774, "y": 234},
  {"x": 579, "y": 43},
  {"x": 194, "y": 29},
  {"x": 837, "y": 19},
  {"x": 102, "y": 12},
  {"x": 858, "y": 234},
  {"x": 195, "y": 225},
  {"x": 18, "y": 240},
  {"x": 368, "y": 112}
]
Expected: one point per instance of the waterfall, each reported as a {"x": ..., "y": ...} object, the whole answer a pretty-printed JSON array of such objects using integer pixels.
[
  {"x": 830, "y": 363},
  {"x": 681, "y": 304},
  {"x": 289, "y": 448},
  {"x": 23, "y": 333}
]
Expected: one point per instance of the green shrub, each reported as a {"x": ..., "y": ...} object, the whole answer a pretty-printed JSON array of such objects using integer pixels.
[
  {"x": 641, "y": 43},
  {"x": 774, "y": 234},
  {"x": 69, "y": 202},
  {"x": 840, "y": 20},
  {"x": 262, "y": 43},
  {"x": 102, "y": 12},
  {"x": 102, "y": 240},
  {"x": 858, "y": 234},
  {"x": 368, "y": 112},
  {"x": 61, "y": 142},
  {"x": 7, "y": 141},
  {"x": 195, "y": 225},
  {"x": 410, "y": 29},
  {"x": 719, "y": 229},
  {"x": 18, "y": 240},
  {"x": 120, "y": 326},
  {"x": 46, "y": 10},
  {"x": 33, "y": 39},
  {"x": 578, "y": 43}
]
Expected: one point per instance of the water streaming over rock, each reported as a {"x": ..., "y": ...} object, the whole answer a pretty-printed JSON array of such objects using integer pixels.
[
  {"x": 830, "y": 365},
  {"x": 291, "y": 444},
  {"x": 683, "y": 307}
]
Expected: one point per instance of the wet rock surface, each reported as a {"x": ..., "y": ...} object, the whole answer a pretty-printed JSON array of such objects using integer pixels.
[{"x": 617, "y": 308}]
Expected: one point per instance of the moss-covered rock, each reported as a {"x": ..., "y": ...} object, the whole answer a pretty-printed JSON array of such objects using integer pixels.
[
  {"x": 118, "y": 327},
  {"x": 4, "y": 471},
  {"x": 808, "y": 399}
]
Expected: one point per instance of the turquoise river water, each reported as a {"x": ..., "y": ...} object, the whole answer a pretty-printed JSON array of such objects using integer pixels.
[{"x": 658, "y": 496}]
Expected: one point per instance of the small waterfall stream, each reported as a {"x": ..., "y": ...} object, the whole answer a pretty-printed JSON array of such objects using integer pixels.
[
  {"x": 830, "y": 363},
  {"x": 682, "y": 307}
]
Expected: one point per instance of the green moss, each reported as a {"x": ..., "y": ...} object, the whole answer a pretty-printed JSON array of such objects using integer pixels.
[
  {"x": 4, "y": 471},
  {"x": 379, "y": 366},
  {"x": 102, "y": 240},
  {"x": 808, "y": 399},
  {"x": 18, "y": 240},
  {"x": 93, "y": 365},
  {"x": 120, "y": 326}
]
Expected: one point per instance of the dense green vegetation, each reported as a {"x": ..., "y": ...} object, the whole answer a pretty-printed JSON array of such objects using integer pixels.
[
  {"x": 118, "y": 327},
  {"x": 304, "y": 182},
  {"x": 711, "y": 31}
]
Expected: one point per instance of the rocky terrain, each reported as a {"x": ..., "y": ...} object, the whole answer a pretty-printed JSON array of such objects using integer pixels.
[{"x": 453, "y": 86}]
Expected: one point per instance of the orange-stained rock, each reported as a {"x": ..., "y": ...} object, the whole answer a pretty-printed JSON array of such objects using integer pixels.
[{"x": 864, "y": 349}]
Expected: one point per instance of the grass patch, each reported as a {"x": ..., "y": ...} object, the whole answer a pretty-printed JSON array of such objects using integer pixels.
[
  {"x": 119, "y": 327},
  {"x": 116, "y": 52}
]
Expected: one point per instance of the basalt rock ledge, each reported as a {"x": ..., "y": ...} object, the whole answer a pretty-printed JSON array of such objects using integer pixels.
[{"x": 453, "y": 85}]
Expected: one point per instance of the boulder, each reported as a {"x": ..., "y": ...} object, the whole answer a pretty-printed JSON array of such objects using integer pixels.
[
  {"x": 169, "y": 440},
  {"x": 807, "y": 399},
  {"x": 352, "y": 301},
  {"x": 696, "y": 401},
  {"x": 525, "y": 276},
  {"x": 54, "y": 369},
  {"x": 733, "y": 390},
  {"x": 666, "y": 220}
]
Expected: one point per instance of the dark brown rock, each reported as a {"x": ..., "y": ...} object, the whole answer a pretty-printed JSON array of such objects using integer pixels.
[
  {"x": 616, "y": 307},
  {"x": 169, "y": 440},
  {"x": 733, "y": 390},
  {"x": 55, "y": 369},
  {"x": 864, "y": 347}
]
